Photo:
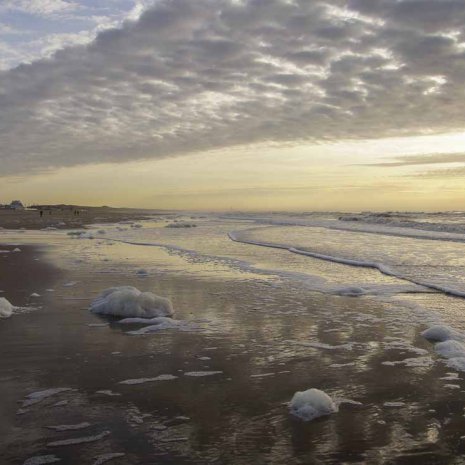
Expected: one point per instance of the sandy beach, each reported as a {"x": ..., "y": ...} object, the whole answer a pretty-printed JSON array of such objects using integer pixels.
[
  {"x": 285, "y": 284},
  {"x": 216, "y": 388},
  {"x": 64, "y": 217}
]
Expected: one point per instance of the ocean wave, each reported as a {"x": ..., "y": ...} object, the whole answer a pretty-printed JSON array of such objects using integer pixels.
[{"x": 381, "y": 267}]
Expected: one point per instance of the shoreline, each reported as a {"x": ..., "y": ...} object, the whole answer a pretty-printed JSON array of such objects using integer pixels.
[
  {"x": 179, "y": 396},
  {"x": 22, "y": 273},
  {"x": 65, "y": 219}
]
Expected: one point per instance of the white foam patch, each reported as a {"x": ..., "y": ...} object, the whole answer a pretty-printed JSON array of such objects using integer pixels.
[
  {"x": 146, "y": 321},
  {"x": 394, "y": 404},
  {"x": 456, "y": 363},
  {"x": 148, "y": 380},
  {"x": 439, "y": 333},
  {"x": 39, "y": 396},
  {"x": 75, "y": 427},
  {"x": 322, "y": 345},
  {"x": 341, "y": 365},
  {"x": 108, "y": 392},
  {"x": 348, "y": 401},
  {"x": 42, "y": 460},
  {"x": 237, "y": 236},
  {"x": 159, "y": 324},
  {"x": 6, "y": 309},
  {"x": 202, "y": 373},
  {"x": 104, "y": 458},
  {"x": 312, "y": 403},
  {"x": 450, "y": 349},
  {"x": 401, "y": 344},
  {"x": 82, "y": 440},
  {"x": 350, "y": 291},
  {"x": 412, "y": 362},
  {"x": 450, "y": 344},
  {"x": 127, "y": 301}
]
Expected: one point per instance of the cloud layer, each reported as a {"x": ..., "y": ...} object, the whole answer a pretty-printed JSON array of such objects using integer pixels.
[
  {"x": 418, "y": 160},
  {"x": 34, "y": 29},
  {"x": 193, "y": 75}
]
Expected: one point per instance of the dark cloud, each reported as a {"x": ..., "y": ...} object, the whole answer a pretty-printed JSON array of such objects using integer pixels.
[
  {"x": 425, "y": 14},
  {"x": 452, "y": 173},
  {"x": 193, "y": 75},
  {"x": 432, "y": 159}
]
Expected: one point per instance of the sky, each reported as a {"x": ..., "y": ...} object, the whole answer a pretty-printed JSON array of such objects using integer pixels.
[{"x": 342, "y": 105}]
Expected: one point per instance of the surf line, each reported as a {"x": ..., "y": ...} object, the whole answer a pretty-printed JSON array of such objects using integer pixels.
[
  {"x": 447, "y": 236},
  {"x": 346, "y": 261}
]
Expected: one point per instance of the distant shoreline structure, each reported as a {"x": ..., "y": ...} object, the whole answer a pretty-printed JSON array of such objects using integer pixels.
[{"x": 13, "y": 205}]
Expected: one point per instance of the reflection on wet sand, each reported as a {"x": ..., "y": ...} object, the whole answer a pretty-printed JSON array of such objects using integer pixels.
[{"x": 218, "y": 391}]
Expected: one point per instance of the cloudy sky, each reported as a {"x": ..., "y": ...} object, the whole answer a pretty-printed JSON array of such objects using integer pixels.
[{"x": 234, "y": 104}]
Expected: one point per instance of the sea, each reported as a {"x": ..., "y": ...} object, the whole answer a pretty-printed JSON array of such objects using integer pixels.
[{"x": 367, "y": 307}]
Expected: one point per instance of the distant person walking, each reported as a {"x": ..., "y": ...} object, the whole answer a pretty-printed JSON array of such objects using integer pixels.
[{"x": 41, "y": 213}]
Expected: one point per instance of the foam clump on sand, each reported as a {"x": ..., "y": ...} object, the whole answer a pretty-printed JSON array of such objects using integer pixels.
[
  {"x": 351, "y": 291},
  {"x": 440, "y": 333},
  {"x": 6, "y": 309},
  {"x": 127, "y": 301},
  {"x": 312, "y": 403},
  {"x": 159, "y": 324},
  {"x": 450, "y": 344},
  {"x": 450, "y": 348}
]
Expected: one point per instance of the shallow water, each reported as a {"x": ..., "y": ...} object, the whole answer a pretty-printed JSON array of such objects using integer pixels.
[{"x": 266, "y": 321}]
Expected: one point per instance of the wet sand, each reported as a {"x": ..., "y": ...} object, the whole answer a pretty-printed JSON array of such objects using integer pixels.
[{"x": 253, "y": 329}]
